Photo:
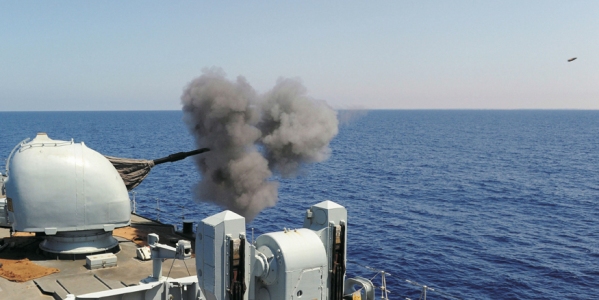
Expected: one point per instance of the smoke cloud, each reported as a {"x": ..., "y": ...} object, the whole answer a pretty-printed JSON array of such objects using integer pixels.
[
  {"x": 251, "y": 136},
  {"x": 295, "y": 128}
]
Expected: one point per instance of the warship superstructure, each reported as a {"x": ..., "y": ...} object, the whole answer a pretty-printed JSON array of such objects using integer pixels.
[{"x": 63, "y": 206}]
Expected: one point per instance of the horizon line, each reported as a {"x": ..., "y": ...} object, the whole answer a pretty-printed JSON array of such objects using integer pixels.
[{"x": 336, "y": 109}]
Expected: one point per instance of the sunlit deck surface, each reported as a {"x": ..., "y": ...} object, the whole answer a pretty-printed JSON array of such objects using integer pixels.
[{"x": 75, "y": 278}]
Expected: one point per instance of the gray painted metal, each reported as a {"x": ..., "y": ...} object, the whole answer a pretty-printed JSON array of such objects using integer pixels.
[
  {"x": 160, "y": 252},
  {"x": 183, "y": 289},
  {"x": 79, "y": 242},
  {"x": 4, "y": 220},
  {"x": 291, "y": 264},
  {"x": 296, "y": 265},
  {"x": 128, "y": 272},
  {"x": 212, "y": 255},
  {"x": 98, "y": 261},
  {"x": 64, "y": 186},
  {"x": 360, "y": 286}
]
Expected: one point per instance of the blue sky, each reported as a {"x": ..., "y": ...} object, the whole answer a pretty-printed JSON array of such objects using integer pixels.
[{"x": 140, "y": 55}]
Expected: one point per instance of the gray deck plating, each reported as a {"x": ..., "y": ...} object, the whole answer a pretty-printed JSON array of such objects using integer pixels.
[{"x": 75, "y": 278}]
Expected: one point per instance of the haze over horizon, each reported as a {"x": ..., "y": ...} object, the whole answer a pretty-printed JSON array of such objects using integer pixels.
[{"x": 137, "y": 55}]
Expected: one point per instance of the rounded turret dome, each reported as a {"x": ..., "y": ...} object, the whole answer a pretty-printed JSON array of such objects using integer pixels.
[{"x": 61, "y": 186}]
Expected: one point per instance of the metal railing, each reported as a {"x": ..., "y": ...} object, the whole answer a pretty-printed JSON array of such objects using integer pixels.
[{"x": 159, "y": 211}]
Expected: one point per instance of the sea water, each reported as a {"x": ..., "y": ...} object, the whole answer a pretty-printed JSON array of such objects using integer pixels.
[{"x": 475, "y": 204}]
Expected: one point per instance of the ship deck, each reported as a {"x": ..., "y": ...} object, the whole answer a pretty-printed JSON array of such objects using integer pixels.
[{"x": 73, "y": 277}]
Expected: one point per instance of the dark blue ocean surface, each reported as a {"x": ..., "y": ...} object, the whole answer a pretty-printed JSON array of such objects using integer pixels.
[{"x": 478, "y": 204}]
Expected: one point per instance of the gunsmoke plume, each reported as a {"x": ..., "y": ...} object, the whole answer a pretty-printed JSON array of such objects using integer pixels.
[
  {"x": 252, "y": 135},
  {"x": 295, "y": 128}
]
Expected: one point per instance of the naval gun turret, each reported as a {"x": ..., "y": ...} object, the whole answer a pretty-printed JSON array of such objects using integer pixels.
[
  {"x": 72, "y": 194},
  {"x": 67, "y": 192}
]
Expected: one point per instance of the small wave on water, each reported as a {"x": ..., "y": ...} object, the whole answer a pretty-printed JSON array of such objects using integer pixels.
[{"x": 477, "y": 204}]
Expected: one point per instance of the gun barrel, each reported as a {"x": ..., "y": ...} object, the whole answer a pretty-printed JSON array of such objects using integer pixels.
[{"x": 179, "y": 156}]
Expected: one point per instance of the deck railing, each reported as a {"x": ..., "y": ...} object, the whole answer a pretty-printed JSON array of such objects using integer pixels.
[{"x": 159, "y": 211}]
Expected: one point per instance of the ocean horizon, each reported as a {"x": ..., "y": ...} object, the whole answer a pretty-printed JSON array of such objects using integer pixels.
[{"x": 476, "y": 203}]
